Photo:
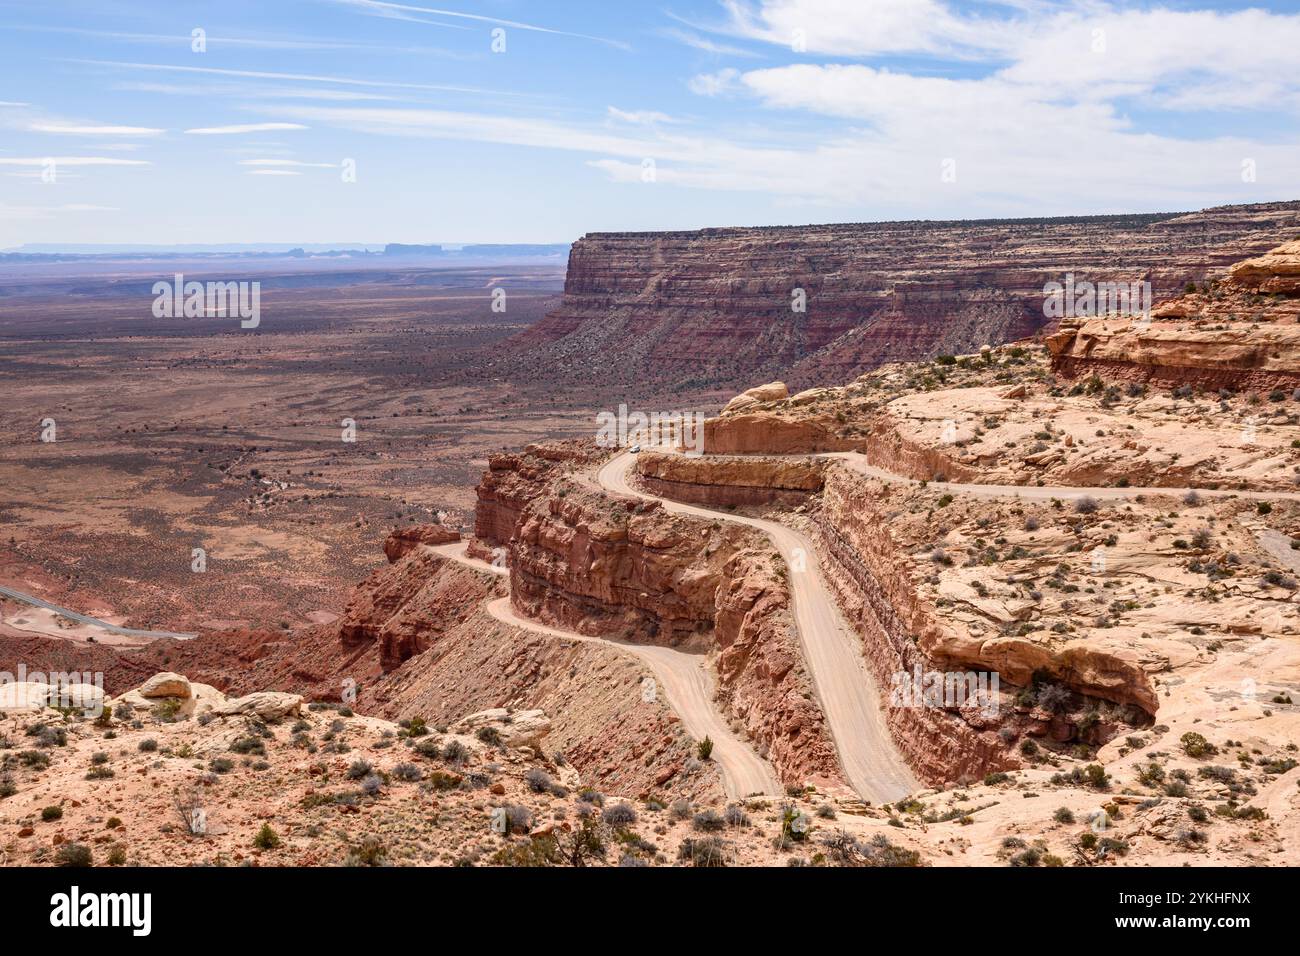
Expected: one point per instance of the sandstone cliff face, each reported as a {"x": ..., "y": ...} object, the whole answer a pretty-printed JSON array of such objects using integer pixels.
[
  {"x": 871, "y": 573},
  {"x": 601, "y": 566},
  {"x": 879, "y": 600},
  {"x": 1240, "y": 334},
  {"x": 715, "y": 306},
  {"x": 512, "y": 480},
  {"x": 730, "y": 481},
  {"x": 598, "y": 565},
  {"x": 403, "y": 608}
]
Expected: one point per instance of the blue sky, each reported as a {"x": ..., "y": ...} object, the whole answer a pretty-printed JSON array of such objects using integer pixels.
[{"x": 672, "y": 114}]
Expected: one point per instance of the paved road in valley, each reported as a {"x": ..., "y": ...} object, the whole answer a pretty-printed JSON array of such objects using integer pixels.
[{"x": 86, "y": 619}]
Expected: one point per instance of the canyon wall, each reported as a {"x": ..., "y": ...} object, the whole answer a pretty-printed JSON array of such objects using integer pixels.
[
  {"x": 871, "y": 576},
  {"x": 714, "y": 307},
  {"x": 601, "y": 565},
  {"x": 726, "y": 482}
]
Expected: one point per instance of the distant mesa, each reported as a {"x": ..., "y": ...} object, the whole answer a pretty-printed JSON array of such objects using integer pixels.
[{"x": 820, "y": 304}]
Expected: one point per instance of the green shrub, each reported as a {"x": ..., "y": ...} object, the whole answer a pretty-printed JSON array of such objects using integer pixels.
[
  {"x": 73, "y": 854},
  {"x": 266, "y": 839}
]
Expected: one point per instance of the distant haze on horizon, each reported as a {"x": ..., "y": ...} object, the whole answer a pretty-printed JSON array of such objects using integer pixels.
[{"x": 504, "y": 122}]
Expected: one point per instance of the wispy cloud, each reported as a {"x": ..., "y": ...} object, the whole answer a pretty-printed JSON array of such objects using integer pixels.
[
  {"x": 273, "y": 172},
  {"x": 71, "y": 161},
  {"x": 639, "y": 117},
  {"x": 27, "y": 213},
  {"x": 243, "y": 128},
  {"x": 287, "y": 163},
  {"x": 698, "y": 42},
  {"x": 379, "y": 8},
  {"x": 248, "y": 91},
  {"x": 297, "y": 77},
  {"x": 215, "y": 42},
  {"x": 96, "y": 129},
  {"x": 852, "y": 28}
]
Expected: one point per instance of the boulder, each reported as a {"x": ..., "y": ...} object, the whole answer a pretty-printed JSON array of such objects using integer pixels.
[
  {"x": 166, "y": 684},
  {"x": 759, "y": 394},
  {"x": 520, "y": 728},
  {"x": 269, "y": 705},
  {"x": 19, "y": 696}
]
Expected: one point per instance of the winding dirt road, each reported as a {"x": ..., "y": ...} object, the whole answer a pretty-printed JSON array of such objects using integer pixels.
[
  {"x": 858, "y": 462},
  {"x": 682, "y": 678},
  {"x": 846, "y": 691}
]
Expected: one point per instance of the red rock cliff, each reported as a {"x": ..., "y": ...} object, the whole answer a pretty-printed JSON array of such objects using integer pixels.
[{"x": 714, "y": 306}]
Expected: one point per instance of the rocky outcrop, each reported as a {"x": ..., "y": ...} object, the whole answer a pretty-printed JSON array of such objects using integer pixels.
[
  {"x": 879, "y": 601},
  {"x": 722, "y": 482},
  {"x": 403, "y": 608},
  {"x": 1277, "y": 272},
  {"x": 189, "y": 698},
  {"x": 523, "y": 728},
  {"x": 768, "y": 432},
  {"x": 1240, "y": 333},
  {"x": 266, "y": 704},
  {"x": 816, "y": 304},
  {"x": 166, "y": 684},
  {"x": 512, "y": 480},
  {"x": 600, "y": 566},
  {"x": 757, "y": 395},
  {"x": 403, "y": 540}
]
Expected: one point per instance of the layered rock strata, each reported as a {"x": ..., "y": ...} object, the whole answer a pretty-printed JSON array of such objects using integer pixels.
[
  {"x": 817, "y": 304},
  {"x": 1240, "y": 333}
]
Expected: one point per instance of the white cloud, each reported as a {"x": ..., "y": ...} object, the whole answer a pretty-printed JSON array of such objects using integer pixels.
[
  {"x": 95, "y": 129},
  {"x": 71, "y": 161},
  {"x": 273, "y": 172},
  {"x": 1082, "y": 49},
  {"x": 857, "y": 28},
  {"x": 287, "y": 162},
  {"x": 243, "y": 128},
  {"x": 697, "y": 42},
  {"x": 245, "y": 91},
  {"x": 1013, "y": 155},
  {"x": 296, "y": 77},
  {"x": 639, "y": 117},
  {"x": 715, "y": 84}
]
